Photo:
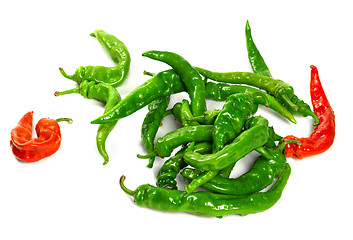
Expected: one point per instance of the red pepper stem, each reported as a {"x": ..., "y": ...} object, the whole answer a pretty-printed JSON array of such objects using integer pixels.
[
  {"x": 125, "y": 189},
  {"x": 68, "y": 120}
]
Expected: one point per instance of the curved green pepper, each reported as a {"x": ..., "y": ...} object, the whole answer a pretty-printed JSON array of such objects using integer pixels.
[
  {"x": 114, "y": 76},
  {"x": 278, "y": 88},
  {"x": 263, "y": 172},
  {"x": 206, "y": 203},
  {"x": 259, "y": 66},
  {"x": 151, "y": 124},
  {"x": 194, "y": 83},
  {"x": 221, "y": 91},
  {"x": 104, "y": 93},
  {"x": 165, "y": 145},
  {"x": 160, "y": 85}
]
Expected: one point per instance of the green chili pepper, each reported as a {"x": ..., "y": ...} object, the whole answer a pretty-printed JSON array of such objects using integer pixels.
[
  {"x": 257, "y": 63},
  {"x": 255, "y": 136},
  {"x": 278, "y": 88},
  {"x": 114, "y": 76},
  {"x": 162, "y": 84},
  {"x": 259, "y": 66},
  {"x": 227, "y": 126},
  {"x": 170, "y": 168},
  {"x": 194, "y": 83},
  {"x": 176, "y": 111},
  {"x": 104, "y": 93},
  {"x": 165, "y": 145},
  {"x": 230, "y": 121},
  {"x": 221, "y": 91},
  {"x": 113, "y": 46},
  {"x": 260, "y": 176},
  {"x": 151, "y": 124},
  {"x": 206, "y": 203}
]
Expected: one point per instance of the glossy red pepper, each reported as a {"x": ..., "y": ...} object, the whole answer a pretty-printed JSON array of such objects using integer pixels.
[
  {"x": 29, "y": 149},
  {"x": 323, "y": 134}
]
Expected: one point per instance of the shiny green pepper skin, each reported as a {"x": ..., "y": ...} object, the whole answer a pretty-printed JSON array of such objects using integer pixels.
[
  {"x": 171, "y": 167},
  {"x": 192, "y": 80},
  {"x": 167, "y": 143},
  {"x": 207, "y": 203},
  {"x": 113, "y": 76},
  {"x": 230, "y": 121},
  {"x": 260, "y": 176},
  {"x": 160, "y": 85},
  {"x": 151, "y": 124},
  {"x": 256, "y": 135}
]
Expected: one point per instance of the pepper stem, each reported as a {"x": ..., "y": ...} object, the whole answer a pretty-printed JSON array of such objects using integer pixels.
[
  {"x": 287, "y": 101},
  {"x": 68, "y": 120},
  {"x": 263, "y": 95},
  {"x": 65, "y": 74},
  {"x": 125, "y": 189},
  {"x": 74, "y": 90},
  {"x": 316, "y": 119},
  {"x": 199, "y": 181},
  {"x": 149, "y": 155},
  {"x": 148, "y": 73},
  {"x": 282, "y": 145}
]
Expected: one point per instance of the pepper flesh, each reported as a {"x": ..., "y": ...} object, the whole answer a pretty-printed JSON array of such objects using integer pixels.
[
  {"x": 323, "y": 134},
  {"x": 28, "y": 149}
]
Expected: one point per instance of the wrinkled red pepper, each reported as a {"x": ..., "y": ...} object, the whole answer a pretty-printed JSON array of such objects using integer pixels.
[
  {"x": 323, "y": 134},
  {"x": 29, "y": 149}
]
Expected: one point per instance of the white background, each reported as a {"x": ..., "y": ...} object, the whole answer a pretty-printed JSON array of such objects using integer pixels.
[{"x": 71, "y": 195}]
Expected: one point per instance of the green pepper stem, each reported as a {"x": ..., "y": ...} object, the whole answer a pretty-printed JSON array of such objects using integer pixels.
[
  {"x": 282, "y": 145},
  {"x": 125, "y": 189},
  {"x": 149, "y": 155},
  {"x": 199, "y": 181},
  {"x": 316, "y": 119},
  {"x": 65, "y": 74},
  {"x": 263, "y": 151},
  {"x": 287, "y": 101},
  {"x": 148, "y": 73},
  {"x": 68, "y": 120},
  {"x": 74, "y": 90},
  {"x": 263, "y": 95}
]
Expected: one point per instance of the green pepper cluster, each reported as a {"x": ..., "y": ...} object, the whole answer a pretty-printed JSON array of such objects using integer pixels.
[
  {"x": 100, "y": 82},
  {"x": 210, "y": 141}
]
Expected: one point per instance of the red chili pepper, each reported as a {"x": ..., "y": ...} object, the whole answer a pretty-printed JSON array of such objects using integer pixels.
[
  {"x": 323, "y": 134},
  {"x": 29, "y": 149}
]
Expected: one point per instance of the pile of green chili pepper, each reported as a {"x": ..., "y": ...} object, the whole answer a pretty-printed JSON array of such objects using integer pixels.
[{"x": 209, "y": 142}]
